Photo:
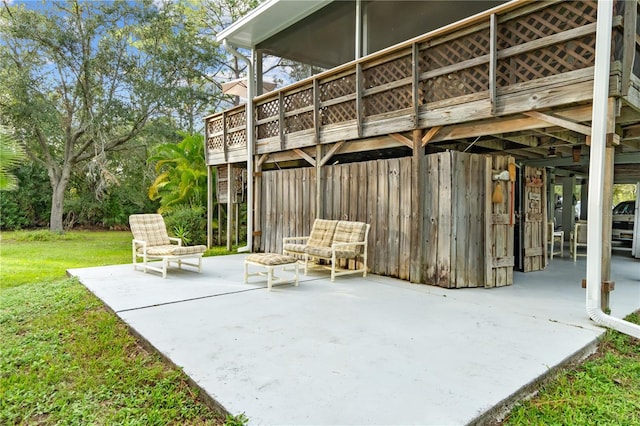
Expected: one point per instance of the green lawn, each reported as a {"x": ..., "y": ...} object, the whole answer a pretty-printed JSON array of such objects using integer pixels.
[{"x": 65, "y": 359}]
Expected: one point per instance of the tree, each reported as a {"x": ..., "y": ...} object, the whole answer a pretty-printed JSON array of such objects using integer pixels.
[{"x": 79, "y": 80}]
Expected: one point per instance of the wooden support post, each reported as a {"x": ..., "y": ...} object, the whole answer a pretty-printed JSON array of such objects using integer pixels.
[
  {"x": 319, "y": 183},
  {"x": 418, "y": 175},
  {"x": 607, "y": 201},
  {"x": 209, "y": 205},
  {"x": 257, "y": 212},
  {"x": 230, "y": 190}
]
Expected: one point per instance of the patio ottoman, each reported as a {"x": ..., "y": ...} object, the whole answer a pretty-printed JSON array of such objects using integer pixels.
[{"x": 268, "y": 262}]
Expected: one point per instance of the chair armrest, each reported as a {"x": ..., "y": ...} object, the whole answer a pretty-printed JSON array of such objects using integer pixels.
[
  {"x": 286, "y": 240},
  {"x": 142, "y": 243},
  {"x": 176, "y": 240}
]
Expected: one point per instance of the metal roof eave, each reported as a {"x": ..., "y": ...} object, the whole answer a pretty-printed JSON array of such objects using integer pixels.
[{"x": 268, "y": 19}]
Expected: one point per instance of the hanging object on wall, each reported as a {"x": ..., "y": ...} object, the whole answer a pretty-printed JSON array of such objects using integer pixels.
[{"x": 498, "y": 196}]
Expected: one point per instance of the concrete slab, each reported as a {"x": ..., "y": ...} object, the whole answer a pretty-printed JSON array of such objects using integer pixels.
[{"x": 359, "y": 351}]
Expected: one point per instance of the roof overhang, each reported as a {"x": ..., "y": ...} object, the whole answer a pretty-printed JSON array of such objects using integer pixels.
[{"x": 267, "y": 19}]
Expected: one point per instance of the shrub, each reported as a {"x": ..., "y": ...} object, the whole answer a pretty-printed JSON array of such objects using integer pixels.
[{"x": 189, "y": 223}]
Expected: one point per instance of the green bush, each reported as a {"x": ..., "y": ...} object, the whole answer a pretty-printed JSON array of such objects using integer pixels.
[{"x": 188, "y": 223}]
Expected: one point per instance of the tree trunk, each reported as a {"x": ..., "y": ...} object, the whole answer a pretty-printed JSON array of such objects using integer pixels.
[{"x": 59, "y": 187}]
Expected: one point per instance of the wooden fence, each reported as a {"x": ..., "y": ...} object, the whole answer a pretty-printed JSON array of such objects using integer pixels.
[{"x": 466, "y": 241}]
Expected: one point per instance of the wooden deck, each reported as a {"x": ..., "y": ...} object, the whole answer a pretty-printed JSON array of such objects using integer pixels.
[{"x": 510, "y": 81}]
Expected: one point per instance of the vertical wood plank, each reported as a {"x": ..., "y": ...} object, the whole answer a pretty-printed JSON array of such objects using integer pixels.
[
  {"x": 431, "y": 210},
  {"x": 393, "y": 214},
  {"x": 405, "y": 253},
  {"x": 443, "y": 260},
  {"x": 416, "y": 192},
  {"x": 488, "y": 226},
  {"x": 372, "y": 215},
  {"x": 381, "y": 215}
]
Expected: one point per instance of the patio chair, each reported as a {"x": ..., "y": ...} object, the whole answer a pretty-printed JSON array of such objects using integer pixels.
[
  {"x": 332, "y": 241},
  {"x": 151, "y": 242},
  {"x": 578, "y": 238}
]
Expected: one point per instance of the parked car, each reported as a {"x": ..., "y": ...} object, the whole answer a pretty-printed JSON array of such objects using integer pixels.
[{"x": 623, "y": 219}]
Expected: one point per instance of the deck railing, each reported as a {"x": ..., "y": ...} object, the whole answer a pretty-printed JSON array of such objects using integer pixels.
[{"x": 489, "y": 65}]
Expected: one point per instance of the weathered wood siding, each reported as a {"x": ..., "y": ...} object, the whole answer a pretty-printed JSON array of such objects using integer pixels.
[
  {"x": 454, "y": 220},
  {"x": 287, "y": 205},
  {"x": 459, "y": 249}
]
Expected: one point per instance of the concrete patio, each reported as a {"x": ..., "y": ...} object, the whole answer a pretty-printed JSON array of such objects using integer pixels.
[{"x": 361, "y": 351}]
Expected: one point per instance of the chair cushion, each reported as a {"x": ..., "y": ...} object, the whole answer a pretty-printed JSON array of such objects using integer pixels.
[
  {"x": 350, "y": 232},
  {"x": 270, "y": 259},
  {"x": 322, "y": 233},
  {"x": 295, "y": 248},
  {"x": 149, "y": 228},
  {"x": 326, "y": 253},
  {"x": 174, "y": 250}
]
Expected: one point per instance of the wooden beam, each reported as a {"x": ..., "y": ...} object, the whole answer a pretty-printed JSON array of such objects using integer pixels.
[
  {"x": 306, "y": 156},
  {"x": 430, "y": 135},
  {"x": 515, "y": 123},
  {"x": 334, "y": 149},
  {"x": 402, "y": 139},
  {"x": 567, "y": 124}
]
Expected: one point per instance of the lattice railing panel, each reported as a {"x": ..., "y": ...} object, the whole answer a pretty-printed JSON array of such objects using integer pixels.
[
  {"x": 215, "y": 143},
  {"x": 268, "y": 109},
  {"x": 388, "y": 101},
  {"x": 298, "y": 122},
  {"x": 387, "y": 72},
  {"x": 455, "y": 51},
  {"x": 298, "y": 100},
  {"x": 215, "y": 125},
  {"x": 452, "y": 85},
  {"x": 236, "y": 120},
  {"x": 237, "y": 139},
  {"x": 336, "y": 88},
  {"x": 268, "y": 130},
  {"x": 552, "y": 60},
  {"x": 554, "y": 19},
  {"x": 338, "y": 113}
]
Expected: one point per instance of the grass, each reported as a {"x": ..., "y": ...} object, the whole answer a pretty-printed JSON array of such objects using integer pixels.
[
  {"x": 65, "y": 359},
  {"x": 603, "y": 390}
]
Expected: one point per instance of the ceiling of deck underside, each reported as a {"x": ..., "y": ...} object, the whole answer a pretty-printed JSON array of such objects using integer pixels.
[{"x": 320, "y": 34}]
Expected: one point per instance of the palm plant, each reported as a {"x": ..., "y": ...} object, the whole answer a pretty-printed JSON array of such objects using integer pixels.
[
  {"x": 11, "y": 156},
  {"x": 181, "y": 174}
]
